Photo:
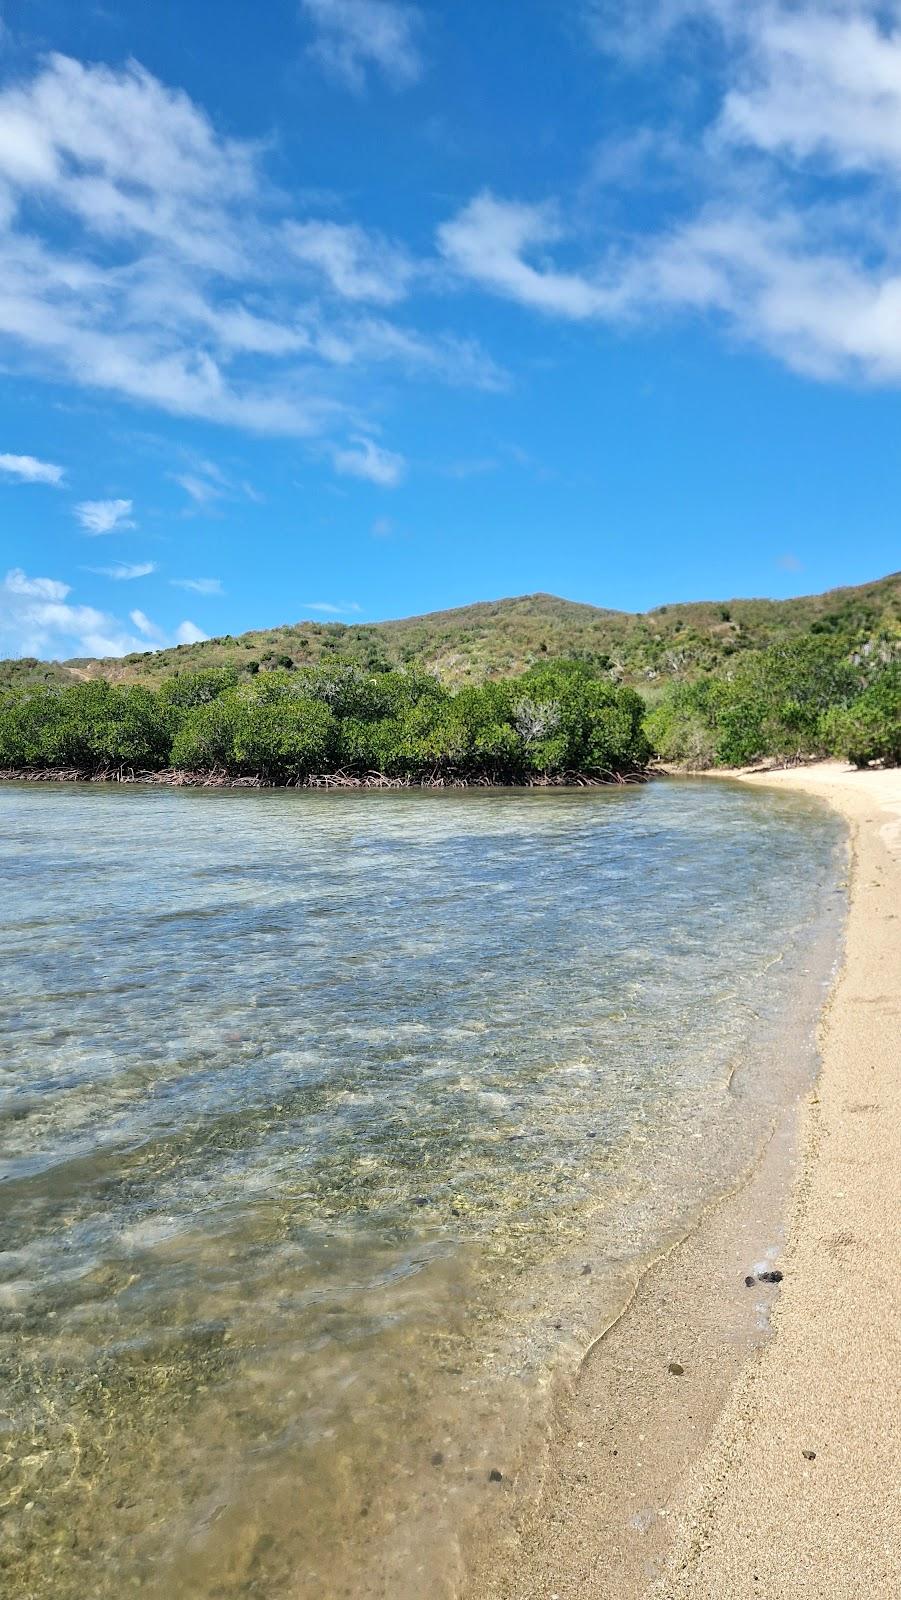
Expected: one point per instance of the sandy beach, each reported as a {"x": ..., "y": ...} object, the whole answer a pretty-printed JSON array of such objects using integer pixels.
[{"x": 728, "y": 1440}]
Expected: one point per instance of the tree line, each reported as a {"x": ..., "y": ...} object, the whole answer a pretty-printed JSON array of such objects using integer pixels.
[
  {"x": 287, "y": 726},
  {"x": 814, "y": 697},
  {"x": 559, "y": 720}
]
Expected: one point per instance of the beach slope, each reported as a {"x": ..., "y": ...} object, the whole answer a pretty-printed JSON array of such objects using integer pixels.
[{"x": 797, "y": 1493}]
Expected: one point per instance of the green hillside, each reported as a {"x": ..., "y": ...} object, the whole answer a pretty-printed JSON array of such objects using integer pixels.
[{"x": 498, "y": 639}]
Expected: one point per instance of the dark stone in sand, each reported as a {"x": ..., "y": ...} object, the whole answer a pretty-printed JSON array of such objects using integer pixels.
[
  {"x": 437, "y": 1459},
  {"x": 420, "y": 1199},
  {"x": 592, "y": 1135},
  {"x": 770, "y": 1277},
  {"x": 494, "y": 1476},
  {"x": 676, "y": 1368},
  {"x": 750, "y": 1282},
  {"x": 585, "y": 1270},
  {"x": 809, "y": 1455}
]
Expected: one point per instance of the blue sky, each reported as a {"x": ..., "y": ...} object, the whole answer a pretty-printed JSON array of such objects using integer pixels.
[{"x": 353, "y": 309}]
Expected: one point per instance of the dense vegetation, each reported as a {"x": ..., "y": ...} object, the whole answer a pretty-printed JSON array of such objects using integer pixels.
[
  {"x": 729, "y": 685},
  {"x": 812, "y": 698},
  {"x": 290, "y": 726},
  {"x": 504, "y": 638}
]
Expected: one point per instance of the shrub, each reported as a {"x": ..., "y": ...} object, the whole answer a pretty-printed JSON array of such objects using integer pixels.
[
  {"x": 285, "y": 724},
  {"x": 869, "y": 729},
  {"x": 95, "y": 727}
]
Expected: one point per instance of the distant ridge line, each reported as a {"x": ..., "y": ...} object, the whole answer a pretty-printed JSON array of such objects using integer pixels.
[{"x": 499, "y": 638}]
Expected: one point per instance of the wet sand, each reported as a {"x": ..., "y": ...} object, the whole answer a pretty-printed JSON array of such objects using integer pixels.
[{"x": 726, "y": 1440}]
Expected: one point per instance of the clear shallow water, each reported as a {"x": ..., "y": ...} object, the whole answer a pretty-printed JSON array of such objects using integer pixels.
[{"x": 313, "y": 1111}]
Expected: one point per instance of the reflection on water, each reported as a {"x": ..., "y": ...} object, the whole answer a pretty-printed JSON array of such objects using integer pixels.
[{"x": 311, "y": 1107}]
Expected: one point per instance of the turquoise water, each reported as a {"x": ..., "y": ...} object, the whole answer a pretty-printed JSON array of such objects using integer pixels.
[{"x": 315, "y": 1108}]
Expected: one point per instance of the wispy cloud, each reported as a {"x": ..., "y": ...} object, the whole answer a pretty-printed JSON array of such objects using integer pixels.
[
  {"x": 105, "y": 516},
  {"x": 489, "y": 241},
  {"x": 144, "y": 254},
  {"x": 145, "y": 627},
  {"x": 371, "y": 340},
  {"x": 203, "y": 491},
  {"x": 355, "y": 263},
  {"x": 644, "y": 27},
  {"x": 28, "y": 469},
  {"x": 478, "y": 467},
  {"x": 206, "y": 484},
  {"x": 354, "y": 36},
  {"x": 199, "y": 585},
  {"x": 787, "y": 233},
  {"x": 329, "y": 609},
  {"x": 125, "y": 571},
  {"x": 790, "y": 563},
  {"x": 363, "y": 458}
]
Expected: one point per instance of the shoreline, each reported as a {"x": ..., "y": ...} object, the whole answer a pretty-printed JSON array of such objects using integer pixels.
[
  {"x": 693, "y": 1485},
  {"x": 176, "y": 778}
]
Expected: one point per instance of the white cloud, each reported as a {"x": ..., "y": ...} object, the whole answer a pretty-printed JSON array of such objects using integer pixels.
[
  {"x": 329, "y": 609},
  {"x": 28, "y": 469},
  {"x": 821, "y": 84},
  {"x": 189, "y": 633},
  {"x": 35, "y": 588},
  {"x": 199, "y": 585},
  {"x": 788, "y": 234},
  {"x": 644, "y": 27},
  {"x": 183, "y": 283},
  {"x": 370, "y": 340},
  {"x": 126, "y": 155},
  {"x": 356, "y": 264},
  {"x": 355, "y": 35},
  {"x": 201, "y": 490},
  {"x": 148, "y": 629},
  {"x": 816, "y": 305},
  {"x": 488, "y": 242},
  {"x": 363, "y": 458},
  {"x": 104, "y": 516},
  {"x": 125, "y": 571},
  {"x": 36, "y": 619}
]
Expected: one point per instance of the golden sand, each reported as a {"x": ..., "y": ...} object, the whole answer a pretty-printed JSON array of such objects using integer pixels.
[{"x": 799, "y": 1491}]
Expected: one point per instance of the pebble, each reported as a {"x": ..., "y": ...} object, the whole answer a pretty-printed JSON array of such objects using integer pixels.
[
  {"x": 437, "y": 1459},
  {"x": 585, "y": 1270},
  {"x": 750, "y": 1281},
  {"x": 770, "y": 1277},
  {"x": 809, "y": 1455},
  {"x": 676, "y": 1368},
  {"x": 494, "y": 1476}
]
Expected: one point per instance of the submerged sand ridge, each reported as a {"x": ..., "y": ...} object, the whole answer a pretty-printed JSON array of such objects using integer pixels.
[{"x": 732, "y": 1439}]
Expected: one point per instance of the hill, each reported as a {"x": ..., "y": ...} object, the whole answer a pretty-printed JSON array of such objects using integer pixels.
[{"x": 498, "y": 639}]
